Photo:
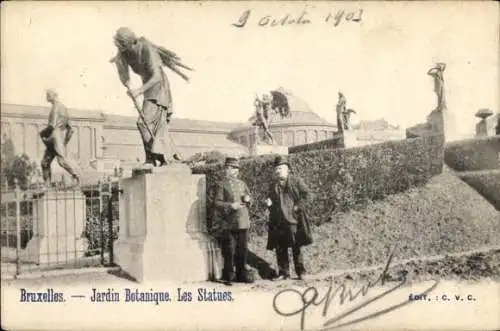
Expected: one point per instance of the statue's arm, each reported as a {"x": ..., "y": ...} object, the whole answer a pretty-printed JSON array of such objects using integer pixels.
[{"x": 123, "y": 70}]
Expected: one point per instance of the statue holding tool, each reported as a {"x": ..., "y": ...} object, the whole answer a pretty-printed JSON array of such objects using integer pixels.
[{"x": 146, "y": 60}]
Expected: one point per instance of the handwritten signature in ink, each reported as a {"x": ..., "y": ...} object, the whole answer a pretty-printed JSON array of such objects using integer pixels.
[{"x": 310, "y": 296}]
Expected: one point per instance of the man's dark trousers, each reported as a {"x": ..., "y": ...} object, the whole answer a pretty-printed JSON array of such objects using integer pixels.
[
  {"x": 235, "y": 251},
  {"x": 287, "y": 240}
]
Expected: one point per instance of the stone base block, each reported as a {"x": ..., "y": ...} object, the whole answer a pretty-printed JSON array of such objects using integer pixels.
[
  {"x": 147, "y": 262},
  {"x": 350, "y": 139},
  {"x": 54, "y": 250},
  {"x": 58, "y": 223},
  {"x": 162, "y": 226}
]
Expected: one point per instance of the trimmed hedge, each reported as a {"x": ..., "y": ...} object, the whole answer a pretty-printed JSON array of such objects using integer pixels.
[
  {"x": 473, "y": 154},
  {"x": 338, "y": 179},
  {"x": 486, "y": 183},
  {"x": 333, "y": 143}
]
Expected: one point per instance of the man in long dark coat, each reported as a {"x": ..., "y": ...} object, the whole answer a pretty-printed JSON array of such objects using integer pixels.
[
  {"x": 289, "y": 225},
  {"x": 146, "y": 60},
  {"x": 233, "y": 199}
]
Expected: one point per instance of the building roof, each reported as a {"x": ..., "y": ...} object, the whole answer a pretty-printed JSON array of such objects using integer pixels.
[
  {"x": 43, "y": 111},
  {"x": 177, "y": 124},
  {"x": 180, "y": 124}
]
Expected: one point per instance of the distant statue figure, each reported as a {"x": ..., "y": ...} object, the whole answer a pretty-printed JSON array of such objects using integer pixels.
[
  {"x": 56, "y": 137},
  {"x": 146, "y": 60},
  {"x": 262, "y": 107},
  {"x": 340, "y": 109},
  {"x": 437, "y": 72},
  {"x": 265, "y": 108},
  {"x": 343, "y": 114}
]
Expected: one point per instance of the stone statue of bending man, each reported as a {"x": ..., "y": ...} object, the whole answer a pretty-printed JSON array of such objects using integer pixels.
[{"x": 146, "y": 60}]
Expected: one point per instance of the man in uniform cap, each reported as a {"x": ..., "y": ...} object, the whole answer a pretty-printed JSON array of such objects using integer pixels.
[
  {"x": 233, "y": 199},
  {"x": 289, "y": 225}
]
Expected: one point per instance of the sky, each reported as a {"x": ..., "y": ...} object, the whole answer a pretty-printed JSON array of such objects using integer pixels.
[{"x": 380, "y": 62}]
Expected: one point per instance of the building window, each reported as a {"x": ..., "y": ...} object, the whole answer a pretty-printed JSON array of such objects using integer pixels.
[
  {"x": 322, "y": 135},
  {"x": 277, "y": 137},
  {"x": 32, "y": 141},
  {"x": 6, "y": 130},
  {"x": 86, "y": 143},
  {"x": 94, "y": 152},
  {"x": 300, "y": 137},
  {"x": 73, "y": 144},
  {"x": 18, "y": 137},
  {"x": 289, "y": 141}
]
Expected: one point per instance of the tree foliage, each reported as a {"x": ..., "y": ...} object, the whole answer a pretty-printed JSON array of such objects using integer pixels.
[{"x": 15, "y": 166}]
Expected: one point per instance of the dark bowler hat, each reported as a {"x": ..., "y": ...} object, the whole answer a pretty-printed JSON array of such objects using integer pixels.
[
  {"x": 232, "y": 162},
  {"x": 281, "y": 159}
]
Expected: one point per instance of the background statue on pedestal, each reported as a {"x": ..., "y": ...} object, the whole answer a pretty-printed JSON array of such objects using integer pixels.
[
  {"x": 440, "y": 119},
  {"x": 437, "y": 72},
  {"x": 343, "y": 114},
  {"x": 265, "y": 108},
  {"x": 56, "y": 137},
  {"x": 146, "y": 60}
]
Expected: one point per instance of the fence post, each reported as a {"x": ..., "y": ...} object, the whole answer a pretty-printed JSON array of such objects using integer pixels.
[
  {"x": 101, "y": 221},
  {"x": 18, "y": 227},
  {"x": 110, "y": 226}
]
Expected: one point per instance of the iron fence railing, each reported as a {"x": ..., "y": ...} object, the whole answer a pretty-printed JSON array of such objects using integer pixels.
[{"x": 58, "y": 227}]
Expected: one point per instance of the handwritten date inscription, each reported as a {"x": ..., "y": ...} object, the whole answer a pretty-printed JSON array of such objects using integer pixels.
[{"x": 333, "y": 18}]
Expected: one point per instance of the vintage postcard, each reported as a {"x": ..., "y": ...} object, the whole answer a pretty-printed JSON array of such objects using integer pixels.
[{"x": 245, "y": 165}]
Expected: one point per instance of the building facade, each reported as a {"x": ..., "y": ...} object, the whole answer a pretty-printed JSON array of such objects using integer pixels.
[{"x": 103, "y": 142}]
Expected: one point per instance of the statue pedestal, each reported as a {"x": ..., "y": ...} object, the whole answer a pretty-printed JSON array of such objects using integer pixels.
[
  {"x": 163, "y": 226},
  {"x": 350, "y": 139},
  {"x": 262, "y": 149},
  {"x": 58, "y": 225},
  {"x": 482, "y": 128},
  {"x": 443, "y": 122}
]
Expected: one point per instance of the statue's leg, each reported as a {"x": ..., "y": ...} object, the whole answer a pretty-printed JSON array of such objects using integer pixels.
[
  {"x": 63, "y": 161},
  {"x": 158, "y": 123},
  {"x": 47, "y": 159},
  {"x": 146, "y": 140}
]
